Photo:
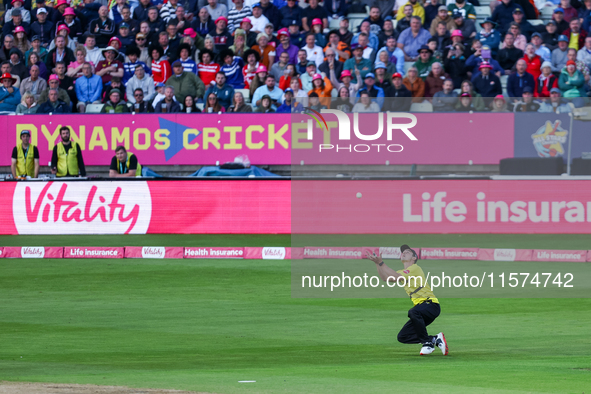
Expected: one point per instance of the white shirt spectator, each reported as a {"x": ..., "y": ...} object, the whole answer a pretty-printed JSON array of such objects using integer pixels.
[
  {"x": 258, "y": 24},
  {"x": 315, "y": 54},
  {"x": 146, "y": 84},
  {"x": 94, "y": 56}
]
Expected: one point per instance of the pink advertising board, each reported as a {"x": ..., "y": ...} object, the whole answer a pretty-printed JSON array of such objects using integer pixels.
[
  {"x": 93, "y": 252},
  {"x": 214, "y": 253},
  {"x": 578, "y": 256},
  {"x": 449, "y": 253},
  {"x": 33, "y": 252},
  {"x": 279, "y": 139}
]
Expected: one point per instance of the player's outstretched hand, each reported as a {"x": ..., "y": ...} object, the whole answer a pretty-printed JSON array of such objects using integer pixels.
[{"x": 374, "y": 257}]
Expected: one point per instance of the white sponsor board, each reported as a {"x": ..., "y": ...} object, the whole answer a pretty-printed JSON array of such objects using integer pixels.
[
  {"x": 274, "y": 253},
  {"x": 152, "y": 252},
  {"x": 504, "y": 254},
  {"x": 28, "y": 252}
]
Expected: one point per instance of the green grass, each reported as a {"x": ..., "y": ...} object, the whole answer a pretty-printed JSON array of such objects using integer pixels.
[{"x": 206, "y": 324}]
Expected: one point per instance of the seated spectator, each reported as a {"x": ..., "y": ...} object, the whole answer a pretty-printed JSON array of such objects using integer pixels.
[
  {"x": 415, "y": 85},
  {"x": 432, "y": 10},
  {"x": 412, "y": 39},
  {"x": 34, "y": 60},
  {"x": 476, "y": 100},
  {"x": 222, "y": 90},
  {"x": 570, "y": 12},
  {"x": 483, "y": 55},
  {"x": 43, "y": 28},
  {"x": 168, "y": 104},
  {"x": 185, "y": 83},
  {"x": 130, "y": 66},
  {"x": 541, "y": 50},
  {"x": 159, "y": 88},
  {"x": 124, "y": 164},
  {"x": 285, "y": 79},
  {"x": 296, "y": 85},
  {"x": 404, "y": 18},
  {"x": 372, "y": 39},
  {"x": 435, "y": 80},
  {"x": 524, "y": 26},
  {"x": 28, "y": 105},
  {"x": 445, "y": 99},
  {"x": 550, "y": 36},
  {"x": 18, "y": 66},
  {"x": 442, "y": 17},
  {"x": 546, "y": 81},
  {"x": 572, "y": 83},
  {"x": 142, "y": 81},
  {"x": 238, "y": 104},
  {"x": 10, "y": 96},
  {"x": 103, "y": 28},
  {"x": 331, "y": 64},
  {"x": 139, "y": 105},
  {"x": 53, "y": 105},
  {"x": 89, "y": 88},
  {"x": 232, "y": 68},
  {"x": 509, "y": 54},
  {"x": 489, "y": 35},
  {"x": 207, "y": 69},
  {"x": 312, "y": 12},
  {"x": 75, "y": 68},
  {"x": 488, "y": 85},
  {"x": 584, "y": 54},
  {"x": 115, "y": 105},
  {"x": 526, "y": 104},
  {"x": 21, "y": 42},
  {"x": 343, "y": 101},
  {"x": 365, "y": 104},
  {"x": 499, "y": 104},
  {"x": 189, "y": 105},
  {"x": 383, "y": 79},
  {"x": 110, "y": 67},
  {"x": 14, "y": 19},
  {"x": 425, "y": 61},
  {"x": 455, "y": 65},
  {"x": 6, "y": 68},
  {"x": 290, "y": 12},
  {"x": 519, "y": 80},
  {"x": 302, "y": 63},
  {"x": 54, "y": 83},
  {"x": 268, "y": 89},
  {"x": 115, "y": 43},
  {"x": 375, "y": 92},
  {"x": 33, "y": 84},
  {"x": 323, "y": 88},
  {"x": 141, "y": 42},
  {"x": 555, "y": 105},
  {"x": 399, "y": 99},
  {"x": 519, "y": 40},
  {"x": 203, "y": 24},
  {"x": 215, "y": 9},
  {"x": 306, "y": 78},
  {"x": 374, "y": 19},
  {"x": 395, "y": 56},
  {"x": 251, "y": 36},
  {"x": 560, "y": 54},
  {"x": 503, "y": 13},
  {"x": 384, "y": 59},
  {"x": 533, "y": 61},
  {"x": 314, "y": 102},
  {"x": 465, "y": 25},
  {"x": 314, "y": 53},
  {"x": 222, "y": 38},
  {"x": 581, "y": 66},
  {"x": 463, "y": 8},
  {"x": 239, "y": 46},
  {"x": 259, "y": 79},
  {"x": 465, "y": 103},
  {"x": 320, "y": 39},
  {"x": 440, "y": 41},
  {"x": 265, "y": 106},
  {"x": 279, "y": 67},
  {"x": 258, "y": 20},
  {"x": 161, "y": 69},
  {"x": 357, "y": 62},
  {"x": 38, "y": 49},
  {"x": 342, "y": 53},
  {"x": 212, "y": 104},
  {"x": 251, "y": 58},
  {"x": 346, "y": 79},
  {"x": 236, "y": 14},
  {"x": 93, "y": 53},
  {"x": 63, "y": 31}
]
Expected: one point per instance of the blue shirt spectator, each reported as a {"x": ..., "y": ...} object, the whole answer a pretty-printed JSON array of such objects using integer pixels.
[
  {"x": 268, "y": 89},
  {"x": 10, "y": 97},
  {"x": 89, "y": 86},
  {"x": 412, "y": 38},
  {"x": 222, "y": 90}
]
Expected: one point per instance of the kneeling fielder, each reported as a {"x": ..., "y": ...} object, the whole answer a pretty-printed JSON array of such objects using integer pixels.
[{"x": 426, "y": 306}]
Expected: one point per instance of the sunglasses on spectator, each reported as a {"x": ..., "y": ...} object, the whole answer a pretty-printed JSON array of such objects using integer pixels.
[{"x": 138, "y": 95}]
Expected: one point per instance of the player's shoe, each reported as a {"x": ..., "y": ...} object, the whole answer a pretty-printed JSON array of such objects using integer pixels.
[
  {"x": 442, "y": 343},
  {"x": 427, "y": 348}
]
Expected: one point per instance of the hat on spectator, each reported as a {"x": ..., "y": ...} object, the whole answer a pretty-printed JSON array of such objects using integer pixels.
[
  {"x": 546, "y": 64},
  {"x": 221, "y": 18},
  {"x": 485, "y": 65},
  {"x": 517, "y": 11},
  {"x": 316, "y": 76},
  {"x": 61, "y": 2},
  {"x": 316, "y": 21},
  {"x": 294, "y": 22},
  {"x": 379, "y": 65},
  {"x": 555, "y": 90},
  {"x": 457, "y": 33},
  {"x": 396, "y": 75},
  {"x": 255, "y": 5},
  {"x": 551, "y": 22},
  {"x": 114, "y": 90},
  {"x": 346, "y": 73},
  {"x": 141, "y": 35},
  {"x": 388, "y": 18},
  {"x": 527, "y": 89},
  {"x": 536, "y": 34},
  {"x": 269, "y": 24},
  {"x": 25, "y": 132},
  {"x": 69, "y": 11},
  {"x": 457, "y": 13},
  {"x": 356, "y": 46},
  {"x": 283, "y": 32},
  {"x": 442, "y": 8},
  {"x": 246, "y": 20},
  {"x": 53, "y": 77},
  {"x": 14, "y": 1},
  {"x": 35, "y": 38},
  {"x": 465, "y": 94},
  {"x": 124, "y": 25},
  {"x": 261, "y": 35},
  {"x": 115, "y": 39},
  {"x": 16, "y": 12},
  {"x": 261, "y": 69},
  {"x": 559, "y": 9},
  {"x": 499, "y": 97},
  {"x": 41, "y": 10},
  {"x": 160, "y": 85},
  {"x": 562, "y": 37},
  {"x": 19, "y": 29},
  {"x": 571, "y": 63},
  {"x": 343, "y": 18},
  {"x": 370, "y": 75},
  {"x": 489, "y": 20},
  {"x": 190, "y": 32},
  {"x": 311, "y": 64},
  {"x": 17, "y": 51},
  {"x": 7, "y": 76},
  {"x": 109, "y": 48},
  {"x": 63, "y": 27},
  {"x": 425, "y": 48},
  {"x": 177, "y": 63},
  {"x": 288, "y": 90}
]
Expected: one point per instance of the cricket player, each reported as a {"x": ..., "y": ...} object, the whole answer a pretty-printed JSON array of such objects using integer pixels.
[{"x": 426, "y": 307}]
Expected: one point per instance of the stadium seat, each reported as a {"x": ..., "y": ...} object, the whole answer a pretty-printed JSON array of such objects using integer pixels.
[
  {"x": 334, "y": 24},
  {"x": 421, "y": 107},
  {"x": 536, "y": 22},
  {"x": 482, "y": 12},
  {"x": 547, "y": 12},
  {"x": 245, "y": 93},
  {"x": 200, "y": 106},
  {"x": 94, "y": 108},
  {"x": 504, "y": 79},
  {"x": 355, "y": 22}
]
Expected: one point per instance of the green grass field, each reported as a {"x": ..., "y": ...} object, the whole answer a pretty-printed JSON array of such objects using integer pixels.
[{"x": 207, "y": 324}]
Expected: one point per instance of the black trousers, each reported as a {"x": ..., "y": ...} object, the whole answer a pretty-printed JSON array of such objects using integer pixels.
[{"x": 421, "y": 315}]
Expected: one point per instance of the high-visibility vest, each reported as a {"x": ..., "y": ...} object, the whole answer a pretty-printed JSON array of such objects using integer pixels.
[
  {"x": 138, "y": 171},
  {"x": 25, "y": 165},
  {"x": 67, "y": 162}
]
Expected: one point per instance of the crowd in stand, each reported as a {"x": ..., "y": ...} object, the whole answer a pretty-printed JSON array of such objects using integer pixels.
[{"x": 179, "y": 56}]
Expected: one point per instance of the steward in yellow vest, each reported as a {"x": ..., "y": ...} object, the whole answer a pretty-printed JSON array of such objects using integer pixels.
[
  {"x": 66, "y": 159},
  {"x": 124, "y": 164},
  {"x": 25, "y": 158}
]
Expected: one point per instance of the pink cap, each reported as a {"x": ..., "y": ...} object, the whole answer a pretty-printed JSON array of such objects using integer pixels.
[
  {"x": 14, "y": 1},
  {"x": 485, "y": 65},
  {"x": 19, "y": 29},
  {"x": 190, "y": 32},
  {"x": 69, "y": 11},
  {"x": 499, "y": 97},
  {"x": 221, "y": 18},
  {"x": 261, "y": 69},
  {"x": 63, "y": 27},
  {"x": 283, "y": 32},
  {"x": 317, "y": 76},
  {"x": 115, "y": 39},
  {"x": 316, "y": 21},
  {"x": 346, "y": 73},
  {"x": 457, "y": 33},
  {"x": 54, "y": 77},
  {"x": 61, "y": 2},
  {"x": 246, "y": 20}
]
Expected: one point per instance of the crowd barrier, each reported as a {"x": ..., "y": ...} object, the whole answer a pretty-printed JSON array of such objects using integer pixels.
[
  {"x": 282, "y": 139},
  {"x": 289, "y": 253}
]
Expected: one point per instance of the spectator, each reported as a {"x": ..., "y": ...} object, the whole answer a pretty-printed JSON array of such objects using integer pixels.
[
  {"x": 279, "y": 68},
  {"x": 33, "y": 84},
  {"x": 483, "y": 54},
  {"x": 372, "y": 39},
  {"x": 130, "y": 66},
  {"x": 572, "y": 83},
  {"x": 509, "y": 54},
  {"x": 140, "y": 12},
  {"x": 28, "y": 105},
  {"x": 115, "y": 105},
  {"x": 20, "y": 40},
  {"x": 14, "y": 19},
  {"x": 89, "y": 11},
  {"x": 558, "y": 17},
  {"x": 541, "y": 50},
  {"x": 132, "y": 24},
  {"x": 268, "y": 89},
  {"x": 258, "y": 20},
  {"x": 212, "y": 104},
  {"x": 232, "y": 69},
  {"x": 357, "y": 62},
  {"x": 18, "y": 67},
  {"x": 66, "y": 83},
  {"x": 286, "y": 46},
  {"x": 308, "y": 76},
  {"x": 34, "y": 60},
  {"x": 266, "y": 52},
  {"x": 66, "y": 159},
  {"x": 102, "y": 28},
  {"x": 168, "y": 104},
  {"x": 423, "y": 64},
  {"x": 465, "y": 103},
  {"x": 25, "y": 163},
  {"x": 344, "y": 34},
  {"x": 442, "y": 17},
  {"x": 302, "y": 63},
  {"x": 161, "y": 69},
  {"x": 89, "y": 88},
  {"x": 110, "y": 67},
  {"x": 395, "y": 55},
  {"x": 503, "y": 13},
  {"x": 455, "y": 64},
  {"x": 518, "y": 17},
  {"x": 139, "y": 105},
  {"x": 499, "y": 104},
  {"x": 271, "y": 12},
  {"x": 72, "y": 23},
  {"x": 312, "y": 12},
  {"x": 39, "y": 50},
  {"x": 189, "y": 105},
  {"x": 526, "y": 104},
  {"x": 489, "y": 35},
  {"x": 239, "y": 105},
  {"x": 185, "y": 83},
  {"x": 399, "y": 98},
  {"x": 124, "y": 164},
  {"x": 75, "y": 68},
  {"x": 93, "y": 54},
  {"x": 533, "y": 61},
  {"x": 445, "y": 100},
  {"x": 295, "y": 85},
  {"x": 555, "y": 105},
  {"x": 223, "y": 91},
  {"x": 314, "y": 102},
  {"x": 142, "y": 81},
  {"x": 286, "y": 78},
  {"x": 417, "y": 10},
  {"x": 10, "y": 96},
  {"x": 374, "y": 91},
  {"x": 405, "y": 18},
  {"x": 365, "y": 104},
  {"x": 289, "y": 13},
  {"x": 546, "y": 81},
  {"x": 476, "y": 101},
  {"x": 465, "y": 25},
  {"x": 319, "y": 38},
  {"x": 6, "y": 47},
  {"x": 520, "y": 79},
  {"x": 346, "y": 79},
  {"x": 550, "y": 36},
  {"x": 251, "y": 58},
  {"x": 411, "y": 39},
  {"x": 207, "y": 69},
  {"x": 368, "y": 52},
  {"x": 387, "y": 31},
  {"x": 331, "y": 64},
  {"x": 18, "y": 5},
  {"x": 314, "y": 53},
  {"x": 288, "y": 102},
  {"x": 584, "y": 54},
  {"x": 576, "y": 36},
  {"x": 203, "y": 23},
  {"x": 374, "y": 19},
  {"x": 237, "y": 14},
  {"x": 323, "y": 88},
  {"x": 59, "y": 53},
  {"x": 570, "y": 12},
  {"x": 54, "y": 83},
  {"x": 560, "y": 54},
  {"x": 222, "y": 39},
  {"x": 53, "y": 105},
  {"x": 6, "y": 68},
  {"x": 216, "y": 10},
  {"x": 415, "y": 85},
  {"x": 435, "y": 81},
  {"x": 265, "y": 106},
  {"x": 462, "y": 7},
  {"x": 155, "y": 25},
  {"x": 168, "y": 10},
  {"x": 251, "y": 36},
  {"x": 259, "y": 79},
  {"x": 487, "y": 84}
]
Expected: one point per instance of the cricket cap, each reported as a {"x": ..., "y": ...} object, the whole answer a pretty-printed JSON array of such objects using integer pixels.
[{"x": 406, "y": 247}]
